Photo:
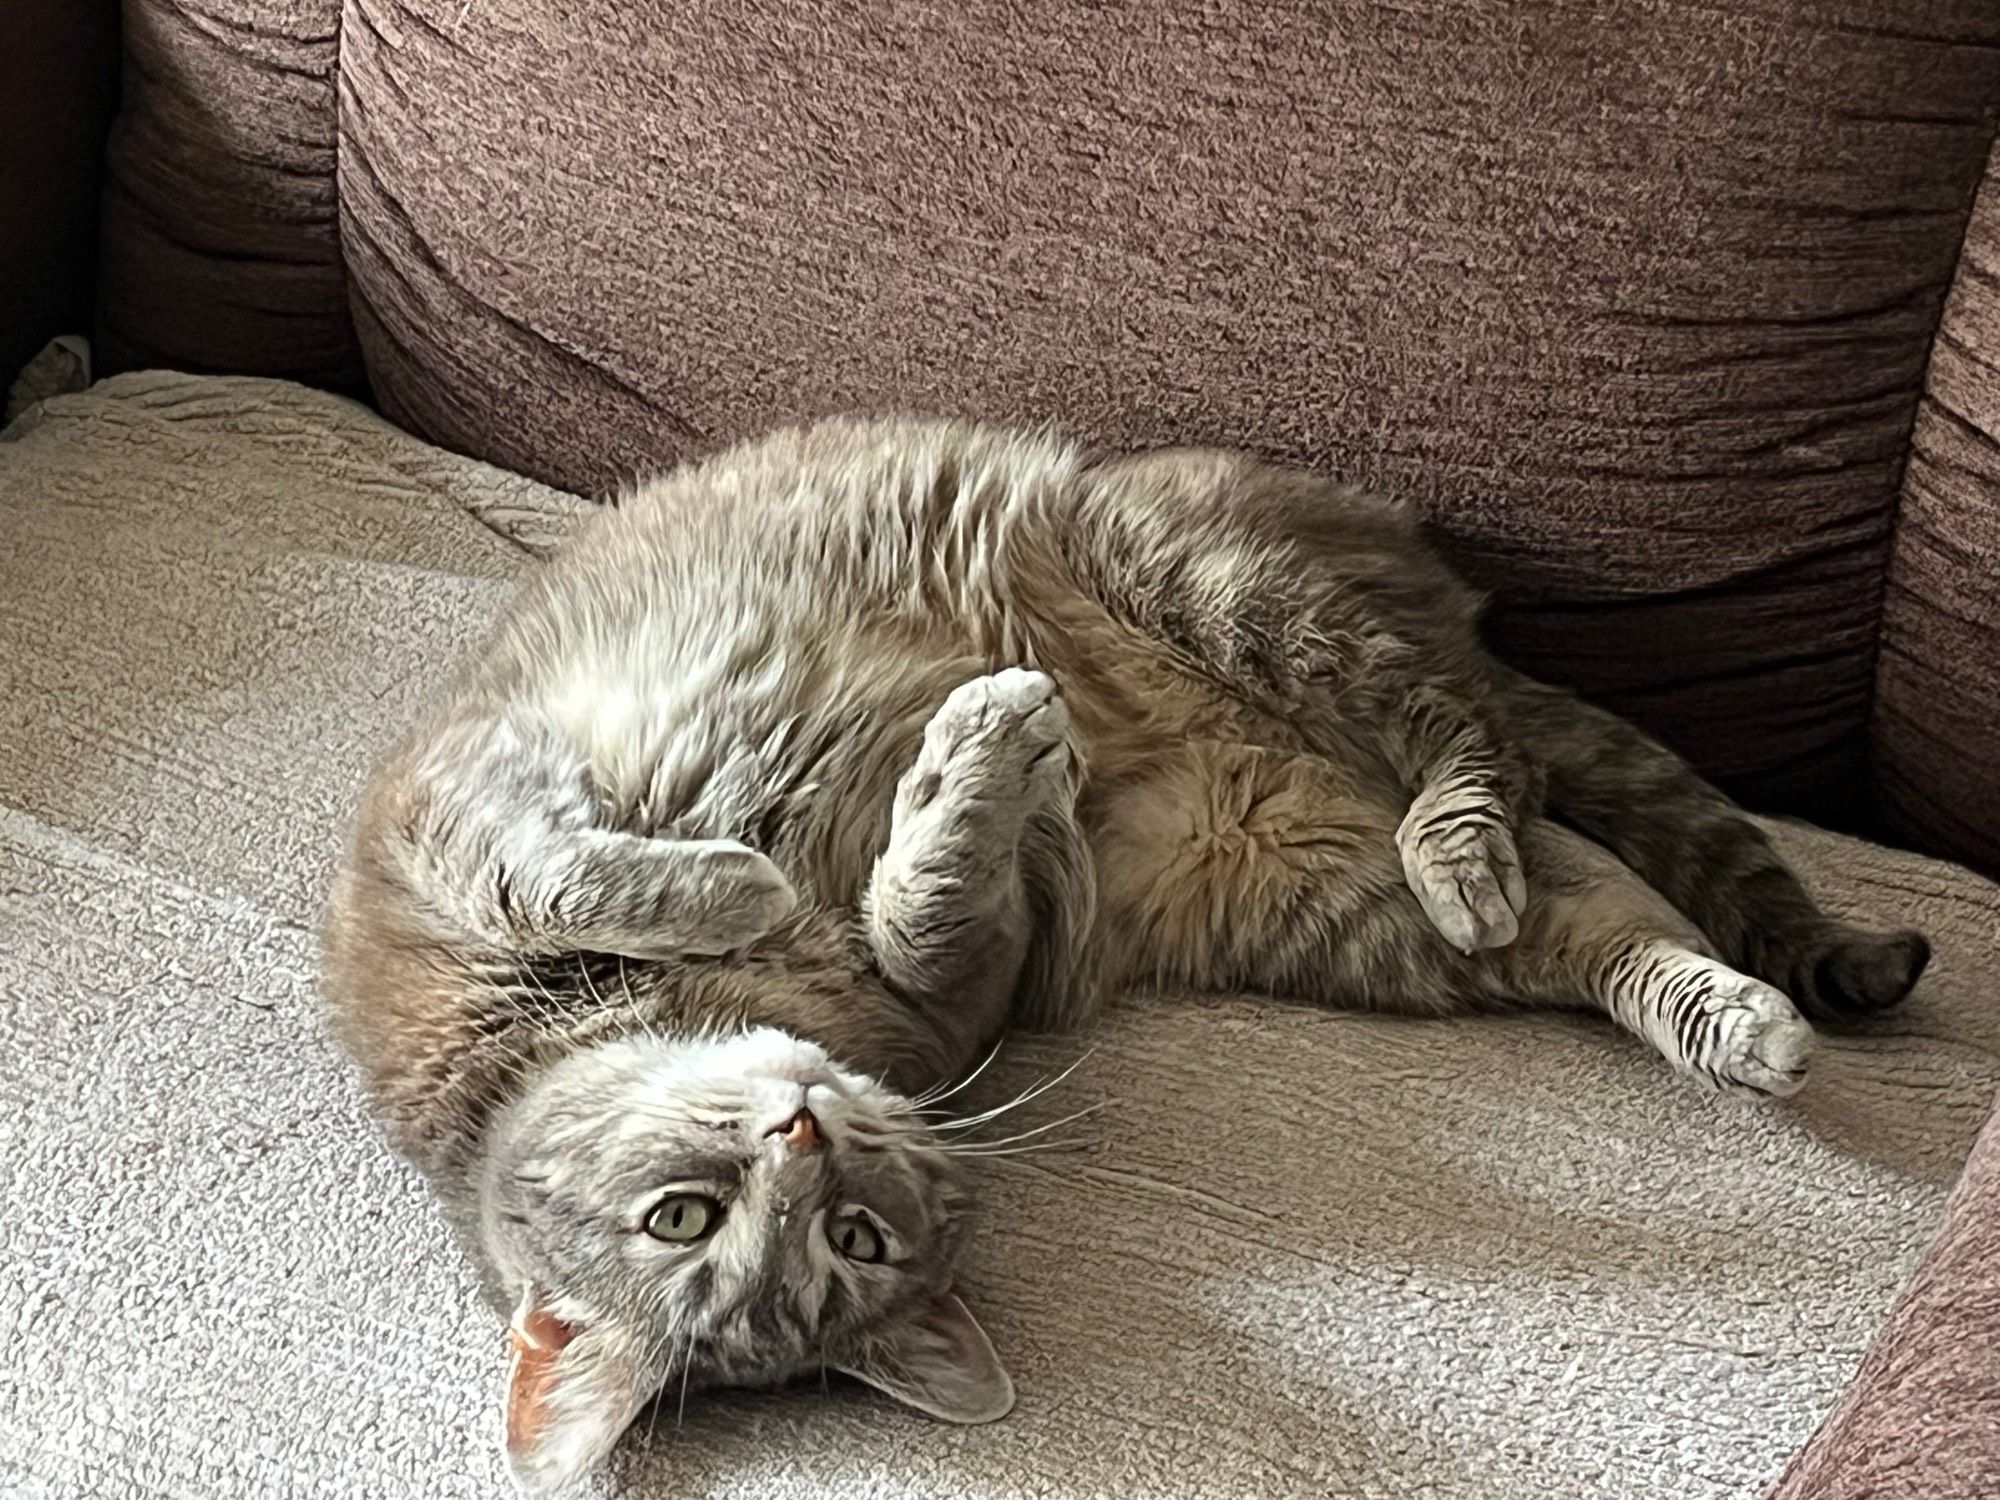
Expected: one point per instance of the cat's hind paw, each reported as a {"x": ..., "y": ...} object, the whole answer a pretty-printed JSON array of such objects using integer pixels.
[{"x": 1755, "y": 1041}]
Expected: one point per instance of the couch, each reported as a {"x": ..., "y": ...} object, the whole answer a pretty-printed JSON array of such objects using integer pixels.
[{"x": 1680, "y": 322}]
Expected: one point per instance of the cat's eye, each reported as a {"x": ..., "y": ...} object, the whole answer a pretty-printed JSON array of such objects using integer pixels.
[
  {"x": 683, "y": 1218},
  {"x": 854, "y": 1237}
]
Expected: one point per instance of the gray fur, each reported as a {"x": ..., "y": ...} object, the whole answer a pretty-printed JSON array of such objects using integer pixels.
[
  {"x": 572, "y": 1165},
  {"x": 810, "y": 768}
]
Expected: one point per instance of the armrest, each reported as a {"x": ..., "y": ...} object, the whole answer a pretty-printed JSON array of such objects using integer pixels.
[
  {"x": 1921, "y": 1419},
  {"x": 1936, "y": 723}
]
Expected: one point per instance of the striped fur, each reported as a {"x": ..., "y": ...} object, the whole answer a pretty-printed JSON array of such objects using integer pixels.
[{"x": 1695, "y": 846}]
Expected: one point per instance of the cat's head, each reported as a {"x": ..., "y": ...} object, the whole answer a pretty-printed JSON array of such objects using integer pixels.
[{"x": 675, "y": 1214}]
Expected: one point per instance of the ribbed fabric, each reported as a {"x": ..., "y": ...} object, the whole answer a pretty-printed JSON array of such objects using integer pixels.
[
  {"x": 1633, "y": 296},
  {"x": 1921, "y": 1419},
  {"x": 1937, "y": 706},
  {"x": 220, "y": 241}
]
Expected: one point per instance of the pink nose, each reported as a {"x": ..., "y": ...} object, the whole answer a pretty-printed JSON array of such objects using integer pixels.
[{"x": 800, "y": 1132}]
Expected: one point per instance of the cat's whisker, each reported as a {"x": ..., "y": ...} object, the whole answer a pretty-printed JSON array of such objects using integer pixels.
[
  {"x": 1027, "y": 1096},
  {"x": 687, "y": 1364},
  {"x": 653, "y": 1352},
  {"x": 933, "y": 1095},
  {"x": 632, "y": 1003},
  {"x": 1082, "y": 1114},
  {"x": 535, "y": 979},
  {"x": 1073, "y": 1144},
  {"x": 589, "y": 984},
  {"x": 513, "y": 1004},
  {"x": 985, "y": 1116}
]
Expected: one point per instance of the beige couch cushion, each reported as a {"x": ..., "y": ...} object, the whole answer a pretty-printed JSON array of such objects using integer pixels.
[{"x": 1300, "y": 1254}]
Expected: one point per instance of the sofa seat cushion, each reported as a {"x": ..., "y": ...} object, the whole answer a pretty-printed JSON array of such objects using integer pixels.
[{"x": 1300, "y": 1253}]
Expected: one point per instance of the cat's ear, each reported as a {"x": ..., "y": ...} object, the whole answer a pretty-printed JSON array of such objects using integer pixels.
[
  {"x": 572, "y": 1389},
  {"x": 940, "y": 1361}
]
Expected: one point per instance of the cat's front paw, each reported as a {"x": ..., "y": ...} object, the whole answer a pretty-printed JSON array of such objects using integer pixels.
[
  {"x": 1001, "y": 742},
  {"x": 1466, "y": 873},
  {"x": 737, "y": 896}
]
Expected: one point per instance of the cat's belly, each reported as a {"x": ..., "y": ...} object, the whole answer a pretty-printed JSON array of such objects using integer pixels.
[{"x": 1205, "y": 853}]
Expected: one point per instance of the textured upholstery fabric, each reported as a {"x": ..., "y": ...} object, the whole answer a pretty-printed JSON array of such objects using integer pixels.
[
  {"x": 1937, "y": 710},
  {"x": 1921, "y": 1420},
  {"x": 1299, "y": 1254},
  {"x": 1634, "y": 296},
  {"x": 58, "y": 77},
  {"x": 221, "y": 248}
]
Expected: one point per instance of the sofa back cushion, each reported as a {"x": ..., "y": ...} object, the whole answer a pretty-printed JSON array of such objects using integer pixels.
[
  {"x": 1634, "y": 299},
  {"x": 221, "y": 238},
  {"x": 1937, "y": 703}
]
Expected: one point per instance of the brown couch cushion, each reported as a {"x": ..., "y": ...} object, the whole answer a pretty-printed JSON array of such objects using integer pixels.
[
  {"x": 1634, "y": 299},
  {"x": 221, "y": 246},
  {"x": 1921, "y": 1420},
  {"x": 1937, "y": 709}
]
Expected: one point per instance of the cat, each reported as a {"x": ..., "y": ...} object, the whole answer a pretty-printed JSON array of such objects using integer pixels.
[{"x": 809, "y": 768}]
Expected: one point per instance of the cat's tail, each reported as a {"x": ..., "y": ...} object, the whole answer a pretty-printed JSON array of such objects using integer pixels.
[{"x": 1698, "y": 849}]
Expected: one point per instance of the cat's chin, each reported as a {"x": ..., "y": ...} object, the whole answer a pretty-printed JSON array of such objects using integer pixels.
[{"x": 767, "y": 1052}]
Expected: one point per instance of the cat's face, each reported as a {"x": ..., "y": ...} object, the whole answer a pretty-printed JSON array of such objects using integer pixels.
[{"x": 735, "y": 1211}]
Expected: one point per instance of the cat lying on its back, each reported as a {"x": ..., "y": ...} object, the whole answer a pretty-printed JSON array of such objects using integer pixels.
[{"x": 806, "y": 771}]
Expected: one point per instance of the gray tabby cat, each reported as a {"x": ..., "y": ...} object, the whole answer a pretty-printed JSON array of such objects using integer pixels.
[{"x": 811, "y": 767}]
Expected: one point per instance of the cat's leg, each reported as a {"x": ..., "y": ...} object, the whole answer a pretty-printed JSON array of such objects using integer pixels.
[
  {"x": 494, "y": 824},
  {"x": 985, "y": 887},
  {"x": 1702, "y": 852},
  {"x": 1457, "y": 841},
  {"x": 1595, "y": 932},
  {"x": 1229, "y": 866},
  {"x": 1322, "y": 608}
]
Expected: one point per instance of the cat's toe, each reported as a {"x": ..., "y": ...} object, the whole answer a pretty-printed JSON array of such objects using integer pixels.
[
  {"x": 744, "y": 894},
  {"x": 1012, "y": 723},
  {"x": 1029, "y": 709},
  {"x": 1467, "y": 908},
  {"x": 1020, "y": 687}
]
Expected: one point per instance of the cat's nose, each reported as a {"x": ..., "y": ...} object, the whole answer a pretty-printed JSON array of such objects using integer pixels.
[{"x": 800, "y": 1132}]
